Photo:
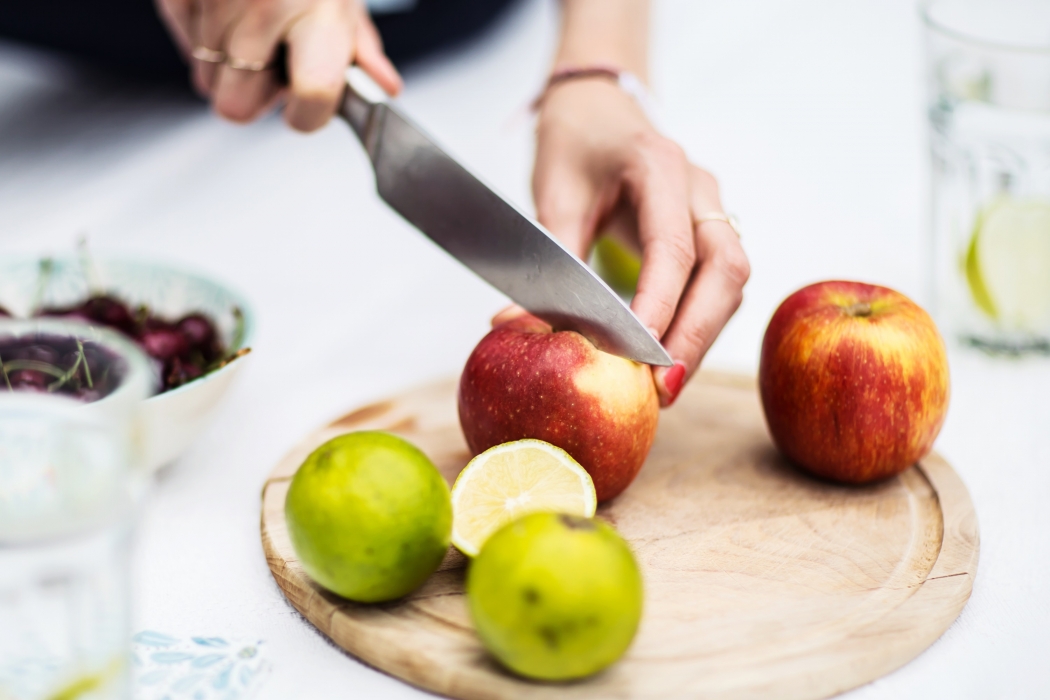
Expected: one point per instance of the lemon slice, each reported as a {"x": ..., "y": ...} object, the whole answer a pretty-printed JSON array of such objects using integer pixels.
[
  {"x": 507, "y": 481},
  {"x": 1008, "y": 263}
]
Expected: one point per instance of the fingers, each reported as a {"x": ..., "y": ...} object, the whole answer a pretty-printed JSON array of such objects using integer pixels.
[
  {"x": 320, "y": 47},
  {"x": 322, "y": 38},
  {"x": 209, "y": 26},
  {"x": 508, "y": 314},
  {"x": 712, "y": 296},
  {"x": 568, "y": 205},
  {"x": 178, "y": 16},
  {"x": 658, "y": 186},
  {"x": 371, "y": 57}
]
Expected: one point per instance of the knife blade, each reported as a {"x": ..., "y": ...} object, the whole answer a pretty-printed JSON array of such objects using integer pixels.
[{"x": 482, "y": 230}]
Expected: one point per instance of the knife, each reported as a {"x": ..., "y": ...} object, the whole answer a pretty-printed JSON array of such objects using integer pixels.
[{"x": 485, "y": 232}]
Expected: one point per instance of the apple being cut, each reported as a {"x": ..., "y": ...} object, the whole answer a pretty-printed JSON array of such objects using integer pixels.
[
  {"x": 524, "y": 380},
  {"x": 854, "y": 381}
]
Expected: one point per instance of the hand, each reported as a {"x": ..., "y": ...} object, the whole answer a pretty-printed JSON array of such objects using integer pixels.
[
  {"x": 600, "y": 164},
  {"x": 323, "y": 38}
]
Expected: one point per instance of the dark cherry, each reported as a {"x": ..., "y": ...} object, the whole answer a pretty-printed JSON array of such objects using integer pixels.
[
  {"x": 180, "y": 373},
  {"x": 42, "y": 353},
  {"x": 5, "y": 312},
  {"x": 109, "y": 311},
  {"x": 30, "y": 379},
  {"x": 198, "y": 330},
  {"x": 165, "y": 344}
]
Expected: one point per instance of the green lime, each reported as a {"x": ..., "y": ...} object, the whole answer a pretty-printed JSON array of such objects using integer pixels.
[
  {"x": 1007, "y": 264},
  {"x": 369, "y": 516},
  {"x": 617, "y": 265},
  {"x": 555, "y": 597}
]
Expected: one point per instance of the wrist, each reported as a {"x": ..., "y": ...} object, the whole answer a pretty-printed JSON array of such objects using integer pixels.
[
  {"x": 603, "y": 83},
  {"x": 605, "y": 32}
]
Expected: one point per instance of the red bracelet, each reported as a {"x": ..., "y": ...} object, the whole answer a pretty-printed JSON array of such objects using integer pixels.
[{"x": 627, "y": 81}]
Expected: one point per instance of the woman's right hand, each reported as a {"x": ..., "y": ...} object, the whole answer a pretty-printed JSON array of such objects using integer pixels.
[{"x": 226, "y": 39}]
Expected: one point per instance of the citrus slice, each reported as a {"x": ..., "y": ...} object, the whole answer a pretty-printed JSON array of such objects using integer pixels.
[
  {"x": 1008, "y": 263},
  {"x": 507, "y": 481}
]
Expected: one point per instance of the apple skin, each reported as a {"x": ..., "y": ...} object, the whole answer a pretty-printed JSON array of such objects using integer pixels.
[
  {"x": 525, "y": 380},
  {"x": 854, "y": 381}
]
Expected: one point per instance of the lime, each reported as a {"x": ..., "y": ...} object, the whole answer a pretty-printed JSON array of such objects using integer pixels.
[
  {"x": 555, "y": 596},
  {"x": 617, "y": 265},
  {"x": 1007, "y": 263},
  {"x": 369, "y": 516},
  {"x": 512, "y": 479}
]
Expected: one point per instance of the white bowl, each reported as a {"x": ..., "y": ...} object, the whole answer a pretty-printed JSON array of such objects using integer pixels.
[{"x": 173, "y": 419}]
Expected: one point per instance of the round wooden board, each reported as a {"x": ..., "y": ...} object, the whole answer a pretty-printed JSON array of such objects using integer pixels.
[{"x": 760, "y": 581}]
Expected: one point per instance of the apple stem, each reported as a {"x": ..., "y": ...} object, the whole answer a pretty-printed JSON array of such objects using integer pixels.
[{"x": 862, "y": 309}]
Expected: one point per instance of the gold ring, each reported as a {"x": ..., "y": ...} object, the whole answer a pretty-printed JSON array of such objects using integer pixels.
[
  {"x": 719, "y": 216},
  {"x": 203, "y": 53},
  {"x": 242, "y": 64}
]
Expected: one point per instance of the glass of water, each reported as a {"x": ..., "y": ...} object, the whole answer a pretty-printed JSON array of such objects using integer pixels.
[
  {"x": 988, "y": 72},
  {"x": 69, "y": 444}
]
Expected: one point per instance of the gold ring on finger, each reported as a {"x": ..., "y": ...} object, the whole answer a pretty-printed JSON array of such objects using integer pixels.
[
  {"x": 203, "y": 53},
  {"x": 719, "y": 216},
  {"x": 244, "y": 64}
]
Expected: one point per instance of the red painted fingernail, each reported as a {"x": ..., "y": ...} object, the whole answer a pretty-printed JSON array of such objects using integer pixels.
[{"x": 674, "y": 379}]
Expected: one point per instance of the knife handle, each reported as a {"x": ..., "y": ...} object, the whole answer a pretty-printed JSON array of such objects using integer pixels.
[{"x": 363, "y": 106}]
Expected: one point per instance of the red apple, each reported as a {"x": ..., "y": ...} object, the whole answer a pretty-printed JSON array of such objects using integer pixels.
[
  {"x": 854, "y": 381},
  {"x": 524, "y": 380}
]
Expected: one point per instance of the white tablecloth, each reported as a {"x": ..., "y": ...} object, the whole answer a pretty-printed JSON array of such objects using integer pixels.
[{"x": 809, "y": 111}]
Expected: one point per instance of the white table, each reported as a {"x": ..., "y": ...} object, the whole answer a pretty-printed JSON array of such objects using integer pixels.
[{"x": 809, "y": 111}]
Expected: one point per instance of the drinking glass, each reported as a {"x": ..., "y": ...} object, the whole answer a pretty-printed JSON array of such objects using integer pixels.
[
  {"x": 68, "y": 485},
  {"x": 988, "y": 74}
]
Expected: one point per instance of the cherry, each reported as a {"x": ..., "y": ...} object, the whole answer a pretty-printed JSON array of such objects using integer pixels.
[
  {"x": 31, "y": 379},
  {"x": 198, "y": 330},
  {"x": 180, "y": 373},
  {"x": 39, "y": 353},
  {"x": 165, "y": 344},
  {"x": 5, "y": 312},
  {"x": 108, "y": 311}
]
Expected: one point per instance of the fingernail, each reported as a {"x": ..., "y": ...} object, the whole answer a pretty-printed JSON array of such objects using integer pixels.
[
  {"x": 674, "y": 379},
  {"x": 653, "y": 332}
]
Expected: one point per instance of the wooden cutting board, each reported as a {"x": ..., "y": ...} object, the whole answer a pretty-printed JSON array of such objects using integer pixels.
[{"x": 759, "y": 581}]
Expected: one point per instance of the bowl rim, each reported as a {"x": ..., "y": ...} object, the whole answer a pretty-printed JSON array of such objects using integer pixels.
[{"x": 241, "y": 301}]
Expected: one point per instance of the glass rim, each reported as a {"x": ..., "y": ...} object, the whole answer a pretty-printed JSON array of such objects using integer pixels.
[
  {"x": 940, "y": 28},
  {"x": 140, "y": 378}
]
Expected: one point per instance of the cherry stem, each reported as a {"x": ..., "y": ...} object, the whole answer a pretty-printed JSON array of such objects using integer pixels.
[
  {"x": 87, "y": 369},
  {"x": 45, "y": 367},
  {"x": 3, "y": 371}
]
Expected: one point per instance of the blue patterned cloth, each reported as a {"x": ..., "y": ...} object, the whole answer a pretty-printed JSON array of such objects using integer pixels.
[{"x": 198, "y": 668}]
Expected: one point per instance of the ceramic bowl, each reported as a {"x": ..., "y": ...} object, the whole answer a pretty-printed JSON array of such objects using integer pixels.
[{"x": 173, "y": 419}]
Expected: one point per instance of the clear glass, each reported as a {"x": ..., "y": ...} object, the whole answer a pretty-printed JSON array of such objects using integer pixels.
[
  {"x": 68, "y": 485},
  {"x": 988, "y": 71}
]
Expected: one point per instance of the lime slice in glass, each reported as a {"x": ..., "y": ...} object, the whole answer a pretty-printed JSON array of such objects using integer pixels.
[{"x": 1007, "y": 263}]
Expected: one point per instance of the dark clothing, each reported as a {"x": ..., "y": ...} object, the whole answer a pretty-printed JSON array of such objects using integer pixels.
[{"x": 127, "y": 36}]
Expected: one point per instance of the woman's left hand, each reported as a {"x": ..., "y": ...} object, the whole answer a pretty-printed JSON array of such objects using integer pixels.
[{"x": 600, "y": 162}]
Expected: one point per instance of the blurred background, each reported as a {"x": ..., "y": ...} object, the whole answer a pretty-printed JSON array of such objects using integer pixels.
[{"x": 811, "y": 113}]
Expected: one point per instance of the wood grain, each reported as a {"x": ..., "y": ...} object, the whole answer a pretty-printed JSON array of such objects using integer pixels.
[{"x": 760, "y": 581}]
